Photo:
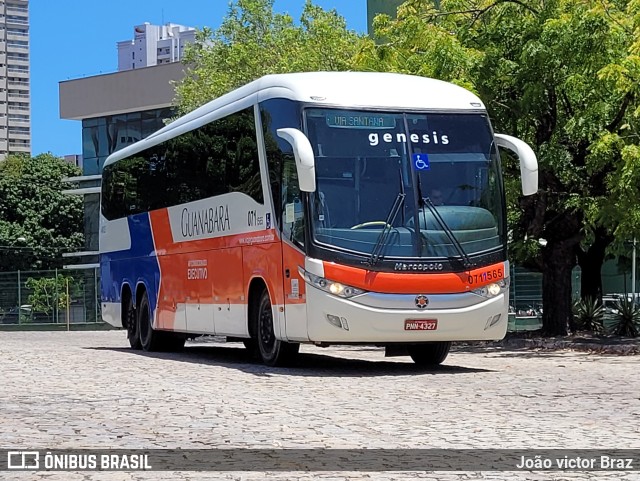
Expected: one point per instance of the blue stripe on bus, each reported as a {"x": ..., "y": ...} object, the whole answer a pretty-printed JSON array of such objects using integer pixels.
[{"x": 138, "y": 264}]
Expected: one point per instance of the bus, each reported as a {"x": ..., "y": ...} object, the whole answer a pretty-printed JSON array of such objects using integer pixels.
[{"x": 356, "y": 208}]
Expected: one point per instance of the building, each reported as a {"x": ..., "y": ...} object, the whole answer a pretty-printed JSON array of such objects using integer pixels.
[
  {"x": 74, "y": 159},
  {"x": 15, "y": 104},
  {"x": 375, "y": 7},
  {"x": 116, "y": 110},
  {"x": 154, "y": 45}
]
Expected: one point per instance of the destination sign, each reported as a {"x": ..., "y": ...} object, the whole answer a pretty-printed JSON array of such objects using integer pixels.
[{"x": 363, "y": 121}]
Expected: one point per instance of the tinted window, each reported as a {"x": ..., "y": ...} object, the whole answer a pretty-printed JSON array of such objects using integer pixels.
[
  {"x": 277, "y": 114},
  {"x": 215, "y": 159}
]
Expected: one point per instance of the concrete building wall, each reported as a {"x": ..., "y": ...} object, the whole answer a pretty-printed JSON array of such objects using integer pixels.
[
  {"x": 119, "y": 92},
  {"x": 15, "y": 92}
]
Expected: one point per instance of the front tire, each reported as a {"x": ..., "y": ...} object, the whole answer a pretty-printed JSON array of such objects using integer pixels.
[
  {"x": 431, "y": 354},
  {"x": 272, "y": 351}
]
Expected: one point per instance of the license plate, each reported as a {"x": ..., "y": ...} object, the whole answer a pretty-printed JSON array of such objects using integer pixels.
[{"x": 420, "y": 324}]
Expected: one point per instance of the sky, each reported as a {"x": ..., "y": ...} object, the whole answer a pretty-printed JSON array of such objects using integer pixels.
[{"x": 71, "y": 39}]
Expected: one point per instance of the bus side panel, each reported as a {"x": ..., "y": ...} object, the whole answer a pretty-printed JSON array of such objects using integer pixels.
[
  {"x": 171, "y": 313},
  {"x": 229, "y": 300},
  {"x": 193, "y": 290},
  {"x": 134, "y": 266},
  {"x": 171, "y": 307}
]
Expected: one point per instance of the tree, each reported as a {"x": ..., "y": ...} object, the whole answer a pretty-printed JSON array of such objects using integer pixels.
[
  {"x": 37, "y": 222},
  {"x": 50, "y": 293},
  {"x": 563, "y": 75},
  {"x": 254, "y": 41}
]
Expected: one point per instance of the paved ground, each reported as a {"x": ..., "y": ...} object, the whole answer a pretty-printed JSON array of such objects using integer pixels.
[{"x": 88, "y": 390}]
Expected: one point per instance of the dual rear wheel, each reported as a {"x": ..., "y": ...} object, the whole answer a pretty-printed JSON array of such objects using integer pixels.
[{"x": 141, "y": 333}]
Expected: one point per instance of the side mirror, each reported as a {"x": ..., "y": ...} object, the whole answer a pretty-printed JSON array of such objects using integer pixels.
[
  {"x": 305, "y": 160},
  {"x": 528, "y": 161}
]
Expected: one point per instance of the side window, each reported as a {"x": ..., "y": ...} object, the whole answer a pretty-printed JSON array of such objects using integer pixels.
[
  {"x": 283, "y": 177},
  {"x": 217, "y": 158}
]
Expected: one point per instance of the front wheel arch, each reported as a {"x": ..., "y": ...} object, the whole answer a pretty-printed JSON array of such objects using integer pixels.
[{"x": 273, "y": 351}]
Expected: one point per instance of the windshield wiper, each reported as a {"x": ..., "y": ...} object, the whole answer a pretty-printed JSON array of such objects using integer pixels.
[
  {"x": 376, "y": 252},
  {"x": 449, "y": 233}
]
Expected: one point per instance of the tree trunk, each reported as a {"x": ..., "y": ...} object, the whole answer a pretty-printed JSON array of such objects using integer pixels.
[
  {"x": 559, "y": 260},
  {"x": 590, "y": 262}
]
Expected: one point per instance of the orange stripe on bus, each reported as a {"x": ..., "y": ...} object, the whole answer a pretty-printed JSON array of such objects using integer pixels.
[{"x": 413, "y": 283}]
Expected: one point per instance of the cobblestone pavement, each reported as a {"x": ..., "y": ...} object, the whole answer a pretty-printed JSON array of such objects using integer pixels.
[{"x": 88, "y": 390}]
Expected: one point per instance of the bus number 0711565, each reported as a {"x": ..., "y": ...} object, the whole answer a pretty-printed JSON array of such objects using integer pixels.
[{"x": 488, "y": 275}]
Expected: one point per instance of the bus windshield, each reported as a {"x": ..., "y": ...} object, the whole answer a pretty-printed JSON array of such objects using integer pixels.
[{"x": 424, "y": 185}]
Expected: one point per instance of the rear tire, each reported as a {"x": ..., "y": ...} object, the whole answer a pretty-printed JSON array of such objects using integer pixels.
[
  {"x": 272, "y": 351},
  {"x": 431, "y": 354},
  {"x": 131, "y": 323},
  {"x": 150, "y": 339}
]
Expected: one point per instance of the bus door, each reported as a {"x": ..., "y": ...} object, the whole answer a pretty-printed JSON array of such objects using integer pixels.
[{"x": 293, "y": 253}]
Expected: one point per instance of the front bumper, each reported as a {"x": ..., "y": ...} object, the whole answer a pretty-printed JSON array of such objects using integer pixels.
[{"x": 460, "y": 317}]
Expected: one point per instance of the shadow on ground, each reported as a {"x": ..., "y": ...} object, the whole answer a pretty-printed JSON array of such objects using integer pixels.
[{"x": 233, "y": 356}]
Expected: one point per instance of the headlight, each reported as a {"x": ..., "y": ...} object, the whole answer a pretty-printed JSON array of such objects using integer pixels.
[
  {"x": 327, "y": 285},
  {"x": 493, "y": 289}
]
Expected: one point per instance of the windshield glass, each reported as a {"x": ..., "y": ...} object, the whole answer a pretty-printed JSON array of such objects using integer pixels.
[{"x": 366, "y": 160}]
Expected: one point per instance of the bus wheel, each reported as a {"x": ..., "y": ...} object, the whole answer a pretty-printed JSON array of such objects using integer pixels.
[
  {"x": 149, "y": 337},
  {"x": 272, "y": 351},
  {"x": 430, "y": 354},
  {"x": 133, "y": 334}
]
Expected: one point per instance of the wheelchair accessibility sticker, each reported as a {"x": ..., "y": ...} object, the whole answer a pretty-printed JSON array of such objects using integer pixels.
[{"x": 420, "y": 161}]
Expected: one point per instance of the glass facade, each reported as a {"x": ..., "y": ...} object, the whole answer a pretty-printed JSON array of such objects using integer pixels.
[{"x": 102, "y": 136}]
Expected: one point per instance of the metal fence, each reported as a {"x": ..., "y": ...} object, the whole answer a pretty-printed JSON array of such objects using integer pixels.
[
  {"x": 50, "y": 297},
  {"x": 72, "y": 296}
]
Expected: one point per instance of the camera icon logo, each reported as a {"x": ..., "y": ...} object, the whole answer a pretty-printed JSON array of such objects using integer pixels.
[{"x": 23, "y": 460}]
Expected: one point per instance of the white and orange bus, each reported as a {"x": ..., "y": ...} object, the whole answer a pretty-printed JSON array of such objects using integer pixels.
[{"x": 323, "y": 208}]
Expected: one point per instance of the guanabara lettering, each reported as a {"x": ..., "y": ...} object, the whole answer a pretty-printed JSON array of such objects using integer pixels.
[{"x": 205, "y": 221}]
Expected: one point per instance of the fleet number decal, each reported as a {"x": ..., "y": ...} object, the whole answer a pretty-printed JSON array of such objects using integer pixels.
[{"x": 486, "y": 276}]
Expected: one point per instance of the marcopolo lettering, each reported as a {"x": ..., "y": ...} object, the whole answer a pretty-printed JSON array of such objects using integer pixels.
[
  {"x": 420, "y": 266},
  {"x": 205, "y": 221}
]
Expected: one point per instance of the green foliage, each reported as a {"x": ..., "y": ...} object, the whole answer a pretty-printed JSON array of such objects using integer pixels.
[
  {"x": 49, "y": 293},
  {"x": 588, "y": 315},
  {"x": 254, "y": 41},
  {"x": 626, "y": 321},
  {"x": 550, "y": 72},
  {"x": 562, "y": 75},
  {"x": 33, "y": 207}
]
